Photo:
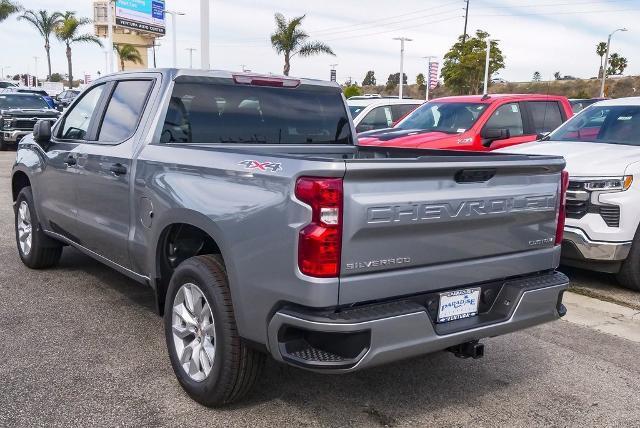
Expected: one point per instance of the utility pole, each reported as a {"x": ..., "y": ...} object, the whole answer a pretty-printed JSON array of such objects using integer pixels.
[
  {"x": 191, "y": 56},
  {"x": 466, "y": 17},
  {"x": 428, "y": 83},
  {"x": 174, "y": 31},
  {"x": 402, "y": 40},
  {"x": 606, "y": 62},
  {"x": 110, "y": 36},
  {"x": 205, "y": 61}
]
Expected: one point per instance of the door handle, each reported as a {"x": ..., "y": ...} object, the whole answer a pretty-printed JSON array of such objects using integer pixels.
[
  {"x": 70, "y": 160},
  {"x": 118, "y": 169}
]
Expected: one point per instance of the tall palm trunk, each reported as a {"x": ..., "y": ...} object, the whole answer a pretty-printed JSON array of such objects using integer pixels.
[
  {"x": 70, "y": 67},
  {"x": 47, "y": 47},
  {"x": 121, "y": 64},
  {"x": 287, "y": 63}
]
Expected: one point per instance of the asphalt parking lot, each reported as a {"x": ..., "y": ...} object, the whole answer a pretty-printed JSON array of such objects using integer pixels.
[{"x": 80, "y": 345}]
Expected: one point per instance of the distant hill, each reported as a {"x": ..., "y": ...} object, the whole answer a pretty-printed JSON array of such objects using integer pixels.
[{"x": 617, "y": 87}]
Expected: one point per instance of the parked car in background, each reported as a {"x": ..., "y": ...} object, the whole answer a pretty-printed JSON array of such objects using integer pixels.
[
  {"x": 6, "y": 84},
  {"x": 378, "y": 113},
  {"x": 601, "y": 145},
  {"x": 365, "y": 96},
  {"x": 26, "y": 90},
  {"x": 474, "y": 122},
  {"x": 579, "y": 104},
  {"x": 19, "y": 112},
  {"x": 244, "y": 202},
  {"x": 66, "y": 97}
]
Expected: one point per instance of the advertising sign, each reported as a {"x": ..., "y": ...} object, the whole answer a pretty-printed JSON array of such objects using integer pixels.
[{"x": 141, "y": 15}]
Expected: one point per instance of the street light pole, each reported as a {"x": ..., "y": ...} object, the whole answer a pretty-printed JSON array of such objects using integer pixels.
[
  {"x": 204, "y": 35},
  {"x": 402, "y": 40},
  {"x": 35, "y": 58},
  {"x": 486, "y": 67},
  {"x": 606, "y": 62},
  {"x": 174, "y": 36}
]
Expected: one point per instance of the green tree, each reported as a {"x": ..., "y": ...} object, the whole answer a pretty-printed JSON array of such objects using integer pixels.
[
  {"x": 289, "y": 39},
  {"x": 45, "y": 24},
  {"x": 617, "y": 64},
  {"x": 369, "y": 79},
  {"x": 420, "y": 81},
  {"x": 56, "y": 77},
  {"x": 68, "y": 33},
  {"x": 127, "y": 53},
  {"x": 601, "y": 51},
  {"x": 394, "y": 80},
  {"x": 464, "y": 64},
  {"x": 536, "y": 76},
  {"x": 557, "y": 75},
  {"x": 8, "y": 8},
  {"x": 352, "y": 91}
]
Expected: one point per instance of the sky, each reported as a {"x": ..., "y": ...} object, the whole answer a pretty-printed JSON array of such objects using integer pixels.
[{"x": 535, "y": 35}]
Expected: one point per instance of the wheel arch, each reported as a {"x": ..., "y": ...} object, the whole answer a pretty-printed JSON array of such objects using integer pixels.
[{"x": 19, "y": 180}]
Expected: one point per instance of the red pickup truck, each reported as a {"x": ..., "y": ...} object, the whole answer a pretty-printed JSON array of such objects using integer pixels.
[{"x": 474, "y": 122}]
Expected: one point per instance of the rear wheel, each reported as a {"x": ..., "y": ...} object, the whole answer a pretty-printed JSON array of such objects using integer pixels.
[
  {"x": 209, "y": 359},
  {"x": 36, "y": 249},
  {"x": 3, "y": 145}
]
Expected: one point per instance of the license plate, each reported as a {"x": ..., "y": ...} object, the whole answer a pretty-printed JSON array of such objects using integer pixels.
[{"x": 458, "y": 304}]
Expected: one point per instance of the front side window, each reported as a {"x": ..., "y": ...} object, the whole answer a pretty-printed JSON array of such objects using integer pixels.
[
  {"x": 76, "y": 123},
  {"x": 546, "y": 115},
  {"x": 124, "y": 110},
  {"x": 507, "y": 116},
  {"x": 602, "y": 124},
  {"x": 243, "y": 114},
  {"x": 447, "y": 117}
]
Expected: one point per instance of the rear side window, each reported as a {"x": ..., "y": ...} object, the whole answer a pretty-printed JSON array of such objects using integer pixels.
[
  {"x": 242, "y": 114},
  {"x": 546, "y": 115},
  {"x": 124, "y": 110}
]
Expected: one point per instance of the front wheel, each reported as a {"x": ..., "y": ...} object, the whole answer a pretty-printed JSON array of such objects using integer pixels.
[
  {"x": 629, "y": 275},
  {"x": 36, "y": 249},
  {"x": 209, "y": 359}
]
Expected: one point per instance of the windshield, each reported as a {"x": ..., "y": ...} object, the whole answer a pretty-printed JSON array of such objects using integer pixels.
[
  {"x": 8, "y": 101},
  {"x": 448, "y": 117},
  {"x": 602, "y": 124},
  {"x": 218, "y": 113},
  {"x": 356, "y": 110}
]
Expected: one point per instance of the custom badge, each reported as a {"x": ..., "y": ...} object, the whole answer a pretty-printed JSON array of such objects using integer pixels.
[{"x": 261, "y": 166}]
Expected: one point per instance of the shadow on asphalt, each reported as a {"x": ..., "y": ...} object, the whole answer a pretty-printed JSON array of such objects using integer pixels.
[{"x": 381, "y": 395}]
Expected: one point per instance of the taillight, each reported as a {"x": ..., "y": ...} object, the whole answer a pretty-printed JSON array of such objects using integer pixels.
[
  {"x": 562, "y": 212},
  {"x": 320, "y": 242},
  {"x": 258, "y": 80}
]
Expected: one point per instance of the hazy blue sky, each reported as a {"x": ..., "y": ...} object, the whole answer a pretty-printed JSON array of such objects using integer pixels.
[{"x": 541, "y": 35}]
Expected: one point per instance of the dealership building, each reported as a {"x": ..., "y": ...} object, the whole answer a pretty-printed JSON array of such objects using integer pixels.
[{"x": 135, "y": 22}]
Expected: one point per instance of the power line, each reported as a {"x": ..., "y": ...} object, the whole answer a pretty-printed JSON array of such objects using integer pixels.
[
  {"x": 396, "y": 29},
  {"x": 575, "y": 3},
  {"x": 562, "y": 13}
]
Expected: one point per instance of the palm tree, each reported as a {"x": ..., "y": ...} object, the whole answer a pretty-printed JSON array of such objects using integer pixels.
[
  {"x": 7, "y": 8},
  {"x": 601, "y": 50},
  {"x": 45, "y": 24},
  {"x": 291, "y": 40},
  {"x": 128, "y": 53},
  {"x": 67, "y": 32}
]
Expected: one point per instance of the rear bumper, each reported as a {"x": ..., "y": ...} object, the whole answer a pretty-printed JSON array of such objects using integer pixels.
[
  {"x": 14, "y": 136},
  {"x": 577, "y": 245},
  {"x": 375, "y": 334}
]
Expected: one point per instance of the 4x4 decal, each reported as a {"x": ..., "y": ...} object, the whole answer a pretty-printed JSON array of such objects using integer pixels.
[{"x": 261, "y": 166}]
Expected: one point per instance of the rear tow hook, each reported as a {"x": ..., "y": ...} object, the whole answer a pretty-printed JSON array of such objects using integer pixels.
[{"x": 472, "y": 349}]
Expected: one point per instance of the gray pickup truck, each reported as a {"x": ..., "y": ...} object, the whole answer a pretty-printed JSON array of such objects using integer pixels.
[{"x": 246, "y": 203}]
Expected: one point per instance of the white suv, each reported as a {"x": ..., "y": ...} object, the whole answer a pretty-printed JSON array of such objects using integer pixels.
[
  {"x": 601, "y": 145},
  {"x": 379, "y": 113}
]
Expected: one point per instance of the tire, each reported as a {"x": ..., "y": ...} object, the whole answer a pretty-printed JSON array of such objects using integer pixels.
[
  {"x": 36, "y": 249},
  {"x": 629, "y": 275},
  {"x": 234, "y": 367},
  {"x": 3, "y": 145}
]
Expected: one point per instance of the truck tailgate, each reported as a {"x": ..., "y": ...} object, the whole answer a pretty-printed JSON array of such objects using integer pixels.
[{"x": 425, "y": 224}]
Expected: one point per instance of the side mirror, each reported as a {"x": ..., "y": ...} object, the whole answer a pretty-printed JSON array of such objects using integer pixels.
[
  {"x": 542, "y": 135},
  {"x": 489, "y": 135},
  {"x": 42, "y": 132}
]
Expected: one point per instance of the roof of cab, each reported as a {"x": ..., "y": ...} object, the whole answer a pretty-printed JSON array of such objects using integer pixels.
[
  {"x": 488, "y": 99},
  {"x": 628, "y": 101},
  {"x": 173, "y": 73}
]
